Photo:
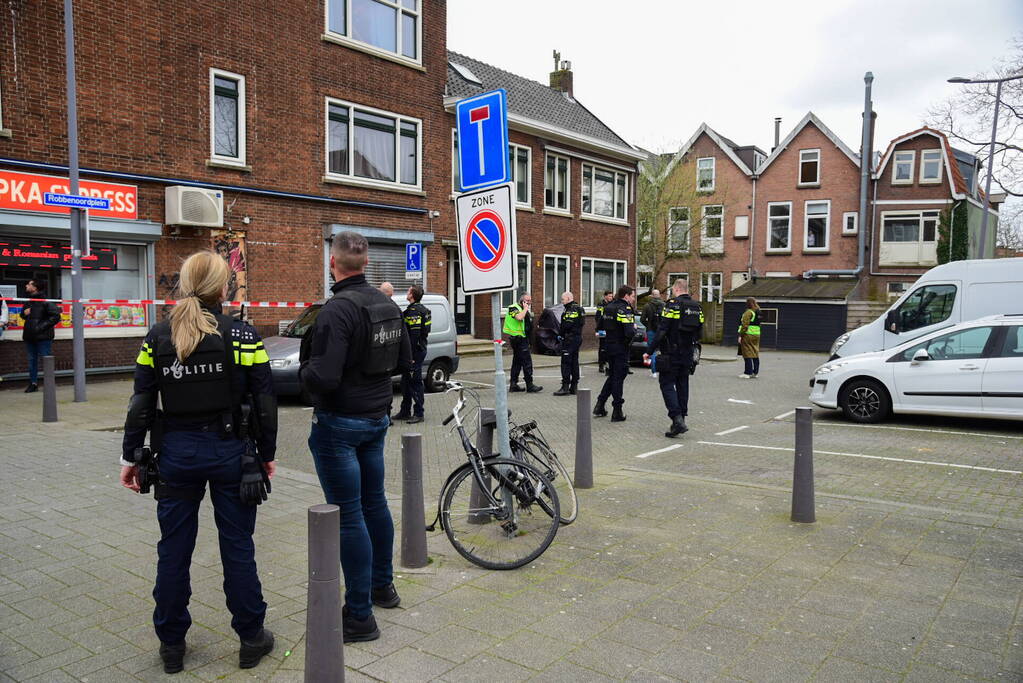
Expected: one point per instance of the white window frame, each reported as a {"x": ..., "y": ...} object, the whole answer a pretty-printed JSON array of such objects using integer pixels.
[
  {"x": 350, "y": 178},
  {"x": 855, "y": 215},
  {"x": 242, "y": 147},
  {"x": 921, "y": 216},
  {"x": 550, "y": 208},
  {"x": 895, "y": 166},
  {"x": 513, "y": 152},
  {"x": 568, "y": 276},
  {"x": 799, "y": 178},
  {"x": 584, "y": 287},
  {"x": 923, "y": 164},
  {"x": 674, "y": 276},
  {"x": 687, "y": 223},
  {"x": 526, "y": 287},
  {"x": 454, "y": 163},
  {"x": 806, "y": 226},
  {"x": 788, "y": 247},
  {"x": 713, "y": 174},
  {"x": 712, "y": 245},
  {"x": 397, "y": 56},
  {"x": 707, "y": 287},
  {"x": 614, "y": 218}
]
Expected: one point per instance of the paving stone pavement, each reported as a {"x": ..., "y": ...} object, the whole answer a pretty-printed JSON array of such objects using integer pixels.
[{"x": 665, "y": 576}]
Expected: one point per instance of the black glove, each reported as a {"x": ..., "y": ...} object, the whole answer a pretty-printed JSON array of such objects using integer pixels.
[{"x": 255, "y": 486}]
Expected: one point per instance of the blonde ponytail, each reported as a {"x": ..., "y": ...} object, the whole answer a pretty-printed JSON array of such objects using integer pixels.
[{"x": 201, "y": 281}]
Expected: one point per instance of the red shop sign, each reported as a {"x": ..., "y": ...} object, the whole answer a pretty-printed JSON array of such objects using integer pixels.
[
  {"x": 24, "y": 192},
  {"x": 35, "y": 254}
]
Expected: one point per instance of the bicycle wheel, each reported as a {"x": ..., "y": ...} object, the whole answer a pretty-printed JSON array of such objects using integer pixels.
[
  {"x": 515, "y": 531},
  {"x": 546, "y": 460}
]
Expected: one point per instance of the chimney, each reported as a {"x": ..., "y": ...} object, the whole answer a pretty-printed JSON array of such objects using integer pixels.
[
  {"x": 777, "y": 132},
  {"x": 561, "y": 77}
]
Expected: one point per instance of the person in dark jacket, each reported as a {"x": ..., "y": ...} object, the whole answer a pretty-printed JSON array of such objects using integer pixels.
[
  {"x": 676, "y": 333},
  {"x": 41, "y": 317},
  {"x": 598, "y": 326},
  {"x": 418, "y": 320},
  {"x": 651, "y": 315},
  {"x": 202, "y": 363},
  {"x": 619, "y": 324},
  {"x": 347, "y": 360},
  {"x": 571, "y": 335}
]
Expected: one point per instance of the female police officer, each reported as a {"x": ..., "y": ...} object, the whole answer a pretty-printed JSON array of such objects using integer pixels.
[{"x": 212, "y": 375}]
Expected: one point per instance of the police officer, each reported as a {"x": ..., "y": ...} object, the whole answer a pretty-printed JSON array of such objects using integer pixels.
[
  {"x": 202, "y": 363},
  {"x": 619, "y": 326},
  {"x": 678, "y": 330},
  {"x": 571, "y": 334},
  {"x": 518, "y": 325},
  {"x": 598, "y": 326},
  {"x": 417, "y": 323}
]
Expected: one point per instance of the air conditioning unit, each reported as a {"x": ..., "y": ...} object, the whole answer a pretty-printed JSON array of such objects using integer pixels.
[{"x": 194, "y": 206}]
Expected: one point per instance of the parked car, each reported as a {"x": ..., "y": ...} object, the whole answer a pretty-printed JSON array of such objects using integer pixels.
[
  {"x": 943, "y": 296},
  {"x": 972, "y": 369},
  {"x": 441, "y": 352},
  {"x": 639, "y": 345}
]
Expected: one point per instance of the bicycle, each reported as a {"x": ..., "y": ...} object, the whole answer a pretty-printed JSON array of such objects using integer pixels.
[
  {"x": 529, "y": 444},
  {"x": 498, "y": 513}
]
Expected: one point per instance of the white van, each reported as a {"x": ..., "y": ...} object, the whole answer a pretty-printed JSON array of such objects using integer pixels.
[{"x": 943, "y": 296}]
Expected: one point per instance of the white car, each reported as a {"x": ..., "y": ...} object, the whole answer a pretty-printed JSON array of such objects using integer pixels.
[{"x": 973, "y": 369}]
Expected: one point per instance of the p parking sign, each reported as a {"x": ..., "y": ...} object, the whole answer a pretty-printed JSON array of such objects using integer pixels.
[{"x": 486, "y": 240}]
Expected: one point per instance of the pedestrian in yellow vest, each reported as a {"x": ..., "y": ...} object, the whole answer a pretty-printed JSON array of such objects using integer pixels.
[
  {"x": 749, "y": 339},
  {"x": 518, "y": 325}
]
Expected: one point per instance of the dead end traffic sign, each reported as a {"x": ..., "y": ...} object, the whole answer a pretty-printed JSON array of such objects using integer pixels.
[{"x": 486, "y": 240}]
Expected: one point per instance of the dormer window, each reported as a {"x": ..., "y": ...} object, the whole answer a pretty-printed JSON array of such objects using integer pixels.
[
  {"x": 809, "y": 167},
  {"x": 930, "y": 166},
  {"x": 705, "y": 174},
  {"x": 902, "y": 168}
]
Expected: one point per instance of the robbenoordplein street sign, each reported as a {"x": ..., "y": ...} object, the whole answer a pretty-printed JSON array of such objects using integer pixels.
[
  {"x": 74, "y": 201},
  {"x": 482, "y": 125},
  {"x": 486, "y": 240}
]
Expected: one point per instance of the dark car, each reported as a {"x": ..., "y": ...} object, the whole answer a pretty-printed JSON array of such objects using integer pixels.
[{"x": 638, "y": 347}]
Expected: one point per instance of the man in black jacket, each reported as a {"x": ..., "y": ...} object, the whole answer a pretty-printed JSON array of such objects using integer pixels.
[
  {"x": 619, "y": 324},
  {"x": 347, "y": 360},
  {"x": 417, "y": 323},
  {"x": 40, "y": 319},
  {"x": 571, "y": 335},
  {"x": 677, "y": 331}
]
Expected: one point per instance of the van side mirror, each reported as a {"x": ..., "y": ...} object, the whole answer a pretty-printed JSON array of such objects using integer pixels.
[
  {"x": 920, "y": 355},
  {"x": 891, "y": 321}
]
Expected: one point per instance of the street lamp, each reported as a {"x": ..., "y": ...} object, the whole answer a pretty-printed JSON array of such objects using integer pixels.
[{"x": 991, "y": 151}]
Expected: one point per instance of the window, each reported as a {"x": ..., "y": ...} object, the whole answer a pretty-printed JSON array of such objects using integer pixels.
[
  {"x": 896, "y": 289},
  {"x": 518, "y": 162},
  {"x": 372, "y": 146},
  {"x": 902, "y": 169},
  {"x": 599, "y": 276},
  {"x": 1013, "y": 346},
  {"x": 927, "y": 305},
  {"x": 917, "y": 226},
  {"x": 678, "y": 228},
  {"x": 809, "y": 167},
  {"x": 389, "y": 26},
  {"x": 525, "y": 284},
  {"x": 779, "y": 217},
  {"x": 675, "y": 276},
  {"x": 930, "y": 166},
  {"x": 711, "y": 229},
  {"x": 816, "y": 217},
  {"x": 603, "y": 192},
  {"x": 850, "y": 219},
  {"x": 555, "y": 279},
  {"x": 227, "y": 117},
  {"x": 644, "y": 279},
  {"x": 961, "y": 345},
  {"x": 705, "y": 174},
  {"x": 710, "y": 287},
  {"x": 555, "y": 183}
]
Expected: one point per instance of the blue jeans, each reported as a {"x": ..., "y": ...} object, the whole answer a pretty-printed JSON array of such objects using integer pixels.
[
  {"x": 37, "y": 350},
  {"x": 189, "y": 460},
  {"x": 349, "y": 457}
]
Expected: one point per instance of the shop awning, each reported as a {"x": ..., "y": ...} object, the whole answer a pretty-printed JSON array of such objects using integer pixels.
[{"x": 59, "y": 227}]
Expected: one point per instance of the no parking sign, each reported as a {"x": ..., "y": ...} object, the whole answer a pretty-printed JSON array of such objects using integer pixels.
[{"x": 486, "y": 240}]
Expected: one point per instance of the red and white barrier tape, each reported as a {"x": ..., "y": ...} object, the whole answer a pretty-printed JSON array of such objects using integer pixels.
[{"x": 166, "y": 302}]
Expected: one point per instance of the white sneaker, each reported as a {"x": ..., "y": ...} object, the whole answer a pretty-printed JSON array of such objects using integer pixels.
[
  {"x": 753, "y": 377},
  {"x": 654, "y": 375},
  {"x": 745, "y": 376}
]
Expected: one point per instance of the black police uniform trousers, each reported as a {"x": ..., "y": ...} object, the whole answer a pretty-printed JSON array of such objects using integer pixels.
[
  {"x": 522, "y": 360},
  {"x": 570, "y": 359},
  {"x": 412, "y": 390},
  {"x": 673, "y": 376},
  {"x": 618, "y": 361},
  {"x": 188, "y": 460}
]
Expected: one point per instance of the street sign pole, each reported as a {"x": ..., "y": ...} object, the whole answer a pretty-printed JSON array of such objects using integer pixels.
[
  {"x": 77, "y": 311},
  {"x": 500, "y": 381}
]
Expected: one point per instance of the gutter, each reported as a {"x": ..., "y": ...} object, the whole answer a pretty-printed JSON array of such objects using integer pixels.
[{"x": 753, "y": 231}]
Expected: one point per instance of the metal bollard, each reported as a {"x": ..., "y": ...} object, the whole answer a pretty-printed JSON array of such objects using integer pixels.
[
  {"x": 485, "y": 446},
  {"x": 802, "y": 471},
  {"x": 49, "y": 390},
  {"x": 324, "y": 651},
  {"x": 583, "y": 441},
  {"x": 413, "y": 518}
]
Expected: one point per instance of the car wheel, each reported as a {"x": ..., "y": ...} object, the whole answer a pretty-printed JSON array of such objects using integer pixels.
[
  {"x": 864, "y": 400},
  {"x": 437, "y": 376}
]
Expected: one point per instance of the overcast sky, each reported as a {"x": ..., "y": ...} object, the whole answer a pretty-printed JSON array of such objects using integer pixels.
[{"x": 653, "y": 70}]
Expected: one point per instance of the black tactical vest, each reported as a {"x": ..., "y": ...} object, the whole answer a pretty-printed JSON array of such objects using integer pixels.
[
  {"x": 200, "y": 387},
  {"x": 381, "y": 346}
]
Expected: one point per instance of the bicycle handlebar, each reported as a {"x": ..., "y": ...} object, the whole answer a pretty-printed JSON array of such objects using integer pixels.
[{"x": 448, "y": 419}]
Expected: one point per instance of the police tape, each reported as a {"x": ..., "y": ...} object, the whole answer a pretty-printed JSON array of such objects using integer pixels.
[{"x": 164, "y": 302}]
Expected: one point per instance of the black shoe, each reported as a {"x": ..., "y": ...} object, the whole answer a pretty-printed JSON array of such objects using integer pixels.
[
  {"x": 600, "y": 410},
  {"x": 572, "y": 387},
  {"x": 515, "y": 387},
  {"x": 415, "y": 419},
  {"x": 600, "y": 369},
  {"x": 628, "y": 372},
  {"x": 386, "y": 597},
  {"x": 252, "y": 651},
  {"x": 617, "y": 415},
  {"x": 533, "y": 388},
  {"x": 358, "y": 630},
  {"x": 32, "y": 388},
  {"x": 563, "y": 391},
  {"x": 678, "y": 426},
  {"x": 173, "y": 657},
  {"x": 401, "y": 416}
]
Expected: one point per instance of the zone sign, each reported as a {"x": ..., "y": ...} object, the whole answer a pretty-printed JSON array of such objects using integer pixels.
[{"x": 486, "y": 240}]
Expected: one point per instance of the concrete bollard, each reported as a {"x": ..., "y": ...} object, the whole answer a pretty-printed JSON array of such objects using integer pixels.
[
  {"x": 324, "y": 650},
  {"x": 583, "y": 440},
  {"x": 49, "y": 390},
  {"x": 413, "y": 517},
  {"x": 485, "y": 446},
  {"x": 802, "y": 471}
]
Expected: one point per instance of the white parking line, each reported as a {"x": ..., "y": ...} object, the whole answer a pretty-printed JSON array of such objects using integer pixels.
[
  {"x": 784, "y": 415},
  {"x": 733, "y": 429},
  {"x": 869, "y": 457},
  {"x": 737, "y": 400},
  {"x": 659, "y": 450},
  {"x": 818, "y": 423}
]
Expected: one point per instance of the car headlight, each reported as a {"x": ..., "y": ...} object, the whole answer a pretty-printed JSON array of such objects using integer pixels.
[
  {"x": 827, "y": 368},
  {"x": 839, "y": 343},
  {"x": 280, "y": 363}
]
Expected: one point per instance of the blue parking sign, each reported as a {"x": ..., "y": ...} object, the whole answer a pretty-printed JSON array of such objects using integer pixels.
[
  {"x": 414, "y": 257},
  {"x": 482, "y": 124}
]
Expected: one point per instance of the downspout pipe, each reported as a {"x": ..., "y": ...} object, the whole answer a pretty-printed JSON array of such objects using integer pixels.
[{"x": 866, "y": 162}]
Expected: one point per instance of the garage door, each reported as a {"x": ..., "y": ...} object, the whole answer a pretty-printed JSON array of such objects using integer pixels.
[{"x": 387, "y": 264}]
